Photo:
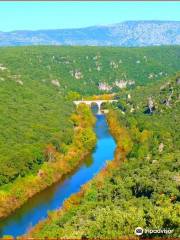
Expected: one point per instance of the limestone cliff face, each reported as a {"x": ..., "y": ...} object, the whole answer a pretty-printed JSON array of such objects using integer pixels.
[
  {"x": 150, "y": 104},
  {"x": 104, "y": 86},
  {"x": 178, "y": 80}
]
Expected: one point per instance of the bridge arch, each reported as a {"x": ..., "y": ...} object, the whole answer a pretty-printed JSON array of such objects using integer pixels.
[{"x": 96, "y": 102}]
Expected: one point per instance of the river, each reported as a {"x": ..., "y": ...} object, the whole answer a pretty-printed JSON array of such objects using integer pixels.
[{"x": 36, "y": 208}]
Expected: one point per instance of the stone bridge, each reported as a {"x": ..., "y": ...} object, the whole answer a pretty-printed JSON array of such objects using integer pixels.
[{"x": 96, "y": 102}]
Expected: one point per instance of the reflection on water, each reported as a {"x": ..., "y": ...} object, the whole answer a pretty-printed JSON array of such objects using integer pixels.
[
  {"x": 88, "y": 161},
  {"x": 53, "y": 197}
]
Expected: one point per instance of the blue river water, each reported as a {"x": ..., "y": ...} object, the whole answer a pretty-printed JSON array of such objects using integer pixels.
[{"x": 36, "y": 208}]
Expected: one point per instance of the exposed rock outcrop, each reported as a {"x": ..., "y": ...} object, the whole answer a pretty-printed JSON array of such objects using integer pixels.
[
  {"x": 55, "y": 83},
  {"x": 161, "y": 147},
  {"x": 178, "y": 81},
  {"x": 104, "y": 86},
  {"x": 123, "y": 83},
  {"x": 78, "y": 74}
]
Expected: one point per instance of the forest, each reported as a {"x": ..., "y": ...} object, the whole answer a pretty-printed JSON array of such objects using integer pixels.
[
  {"x": 59, "y": 160},
  {"x": 38, "y": 84},
  {"x": 140, "y": 187},
  {"x": 43, "y": 136},
  {"x": 87, "y": 70}
]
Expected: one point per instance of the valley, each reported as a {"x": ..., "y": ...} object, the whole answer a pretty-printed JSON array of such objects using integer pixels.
[
  {"x": 46, "y": 140},
  {"x": 140, "y": 187},
  {"x": 20, "y": 221}
]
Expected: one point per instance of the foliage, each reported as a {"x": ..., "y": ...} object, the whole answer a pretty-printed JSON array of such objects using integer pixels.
[
  {"x": 42, "y": 137},
  {"x": 57, "y": 164},
  {"x": 39, "y": 83},
  {"x": 142, "y": 187},
  {"x": 81, "y": 69}
]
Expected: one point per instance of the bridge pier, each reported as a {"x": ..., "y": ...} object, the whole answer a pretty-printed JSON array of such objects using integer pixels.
[{"x": 99, "y": 108}]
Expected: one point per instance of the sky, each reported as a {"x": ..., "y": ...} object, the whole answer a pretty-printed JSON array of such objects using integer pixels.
[{"x": 55, "y": 15}]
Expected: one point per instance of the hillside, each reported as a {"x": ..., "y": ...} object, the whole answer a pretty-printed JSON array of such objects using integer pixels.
[
  {"x": 87, "y": 70},
  {"x": 37, "y": 87},
  {"x": 130, "y": 33},
  {"x": 141, "y": 186},
  {"x": 32, "y": 116}
]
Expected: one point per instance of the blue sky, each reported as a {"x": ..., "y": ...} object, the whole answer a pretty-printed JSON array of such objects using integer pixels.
[{"x": 53, "y": 15}]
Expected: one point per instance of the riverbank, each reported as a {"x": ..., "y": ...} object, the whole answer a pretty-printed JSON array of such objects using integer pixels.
[
  {"x": 14, "y": 195},
  {"x": 140, "y": 191},
  {"x": 71, "y": 205}
]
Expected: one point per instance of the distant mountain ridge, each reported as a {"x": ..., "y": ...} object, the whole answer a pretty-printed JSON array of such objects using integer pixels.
[{"x": 129, "y": 33}]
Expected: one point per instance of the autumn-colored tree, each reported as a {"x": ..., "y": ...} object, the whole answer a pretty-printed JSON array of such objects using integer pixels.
[{"x": 50, "y": 153}]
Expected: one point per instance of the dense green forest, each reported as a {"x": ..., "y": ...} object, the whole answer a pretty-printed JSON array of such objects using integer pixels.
[
  {"x": 37, "y": 85},
  {"x": 87, "y": 70},
  {"x": 31, "y": 117},
  {"x": 38, "y": 119},
  {"x": 141, "y": 186},
  {"x": 60, "y": 160}
]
